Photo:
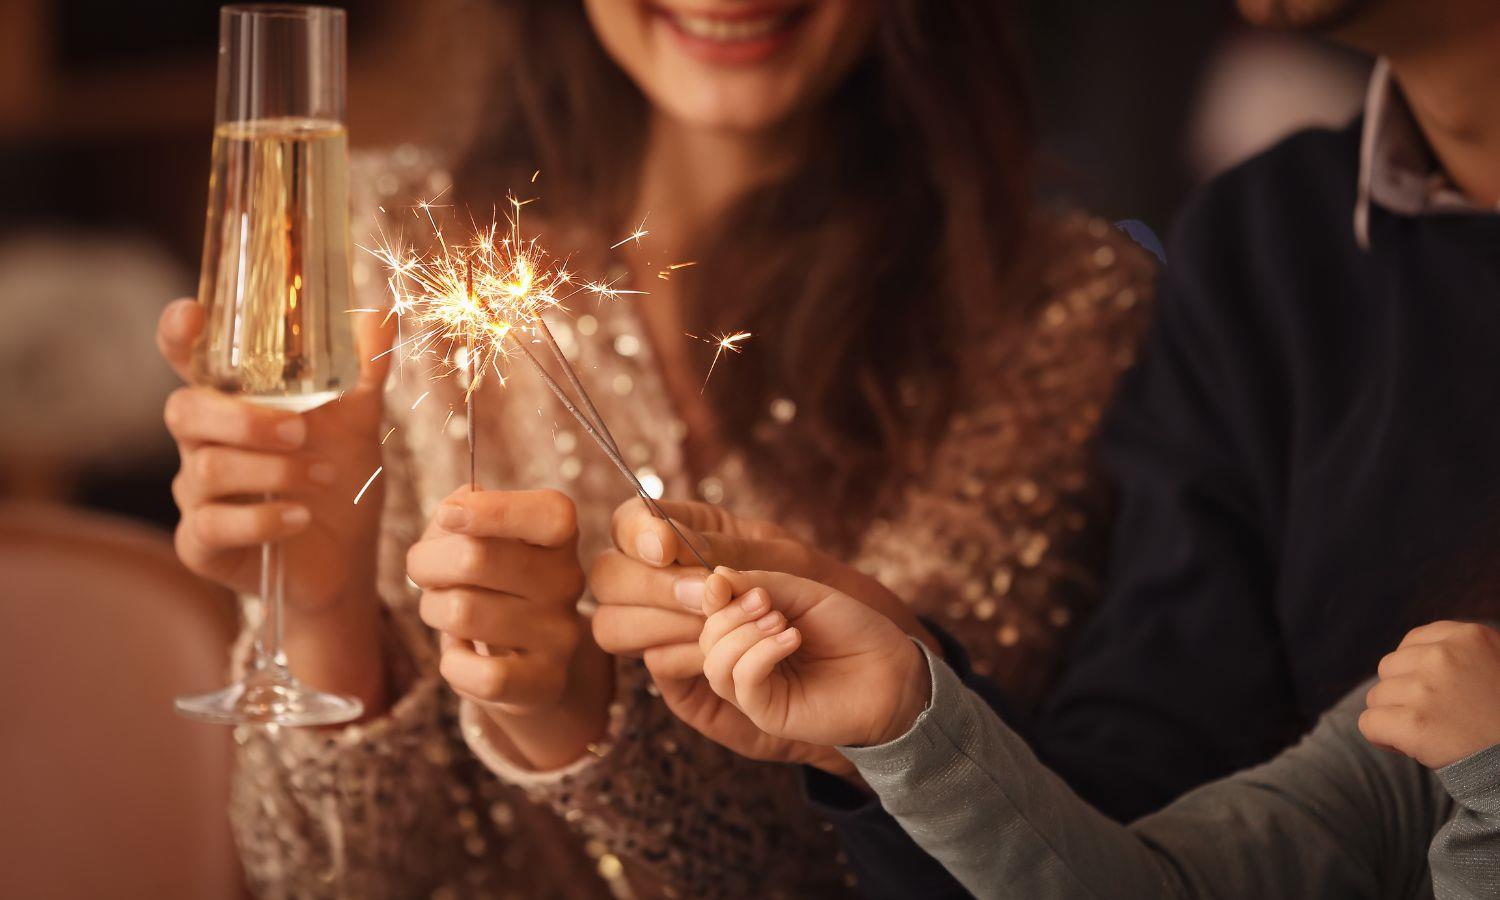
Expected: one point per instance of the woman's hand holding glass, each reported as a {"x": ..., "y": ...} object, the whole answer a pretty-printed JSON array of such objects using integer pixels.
[{"x": 235, "y": 453}]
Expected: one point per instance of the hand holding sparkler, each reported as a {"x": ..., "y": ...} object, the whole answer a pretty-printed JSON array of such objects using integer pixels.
[
  {"x": 500, "y": 582},
  {"x": 491, "y": 295},
  {"x": 651, "y": 605}
]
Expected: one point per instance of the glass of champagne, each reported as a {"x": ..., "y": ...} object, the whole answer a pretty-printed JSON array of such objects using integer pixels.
[{"x": 275, "y": 285}]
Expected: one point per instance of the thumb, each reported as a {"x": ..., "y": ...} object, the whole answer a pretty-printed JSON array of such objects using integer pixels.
[{"x": 176, "y": 332}]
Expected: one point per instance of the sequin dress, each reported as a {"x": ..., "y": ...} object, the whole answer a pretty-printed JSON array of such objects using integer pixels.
[{"x": 999, "y": 541}]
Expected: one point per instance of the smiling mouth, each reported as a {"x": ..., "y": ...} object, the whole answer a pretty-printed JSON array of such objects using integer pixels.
[{"x": 740, "y": 28}]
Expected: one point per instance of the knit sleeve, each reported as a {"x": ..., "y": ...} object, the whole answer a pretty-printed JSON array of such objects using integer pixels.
[
  {"x": 1465, "y": 855},
  {"x": 1330, "y": 817}
]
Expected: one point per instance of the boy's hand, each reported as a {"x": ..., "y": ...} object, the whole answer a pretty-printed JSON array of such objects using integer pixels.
[
  {"x": 805, "y": 662},
  {"x": 1438, "y": 698}
]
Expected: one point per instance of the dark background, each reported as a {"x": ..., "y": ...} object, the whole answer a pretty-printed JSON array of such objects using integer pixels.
[{"x": 106, "y": 111}]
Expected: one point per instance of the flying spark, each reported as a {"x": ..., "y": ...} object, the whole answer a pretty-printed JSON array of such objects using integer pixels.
[
  {"x": 361, "y": 495},
  {"x": 722, "y": 343},
  {"x": 633, "y": 237}
]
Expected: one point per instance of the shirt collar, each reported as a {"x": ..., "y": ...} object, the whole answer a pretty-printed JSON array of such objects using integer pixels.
[{"x": 1396, "y": 168}]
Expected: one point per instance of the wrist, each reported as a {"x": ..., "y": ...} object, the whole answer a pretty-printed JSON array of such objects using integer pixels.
[
  {"x": 913, "y": 693},
  {"x": 545, "y": 738}
]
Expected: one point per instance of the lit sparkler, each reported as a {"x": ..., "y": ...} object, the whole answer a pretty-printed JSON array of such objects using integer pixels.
[{"x": 469, "y": 305}]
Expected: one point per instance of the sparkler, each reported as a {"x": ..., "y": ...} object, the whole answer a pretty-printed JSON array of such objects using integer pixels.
[{"x": 489, "y": 295}]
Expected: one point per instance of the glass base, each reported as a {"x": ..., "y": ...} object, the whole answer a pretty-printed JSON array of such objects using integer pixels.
[{"x": 270, "y": 698}]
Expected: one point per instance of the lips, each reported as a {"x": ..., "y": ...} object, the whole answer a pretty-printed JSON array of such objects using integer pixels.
[{"x": 737, "y": 36}]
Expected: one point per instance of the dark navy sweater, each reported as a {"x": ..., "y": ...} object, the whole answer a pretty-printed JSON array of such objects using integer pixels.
[{"x": 1307, "y": 459}]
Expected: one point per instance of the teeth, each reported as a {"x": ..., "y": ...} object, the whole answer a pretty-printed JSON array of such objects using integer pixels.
[{"x": 714, "y": 29}]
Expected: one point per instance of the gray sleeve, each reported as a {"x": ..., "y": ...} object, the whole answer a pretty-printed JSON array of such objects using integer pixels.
[
  {"x": 1465, "y": 855},
  {"x": 1331, "y": 816}
]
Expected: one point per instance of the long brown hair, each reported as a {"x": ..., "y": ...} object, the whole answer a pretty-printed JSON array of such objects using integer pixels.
[{"x": 862, "y": 270}]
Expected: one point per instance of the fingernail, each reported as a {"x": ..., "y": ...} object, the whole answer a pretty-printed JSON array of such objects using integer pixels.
[
  {"x": 769, "y": 622},
  {"x": 296, "y": 517},
  {"x": 648, "y": 545},
  {"x": 786, "y": 637},
  {"x": 452, "y": 516},
  {"x": 689, "y": 593},
  {"x": 322, "y": 473},
  {"x": 754, "y": 603},
  {"x": 292, "y": 432}
]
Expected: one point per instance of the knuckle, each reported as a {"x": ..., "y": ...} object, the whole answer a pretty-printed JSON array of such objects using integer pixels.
[
  {"x": 492, "y": 680},
  {"x": 182, "y": 542},
  {"x": 414, "y": 560},
  {"x": 428, "y": 610},
  {"x": 562, "y": 515},
  {"x": 207, "y": 465},
  {"x": 469, "y": 561},
  {"x": 205, "y": 528},
  {"x": 180, "y": 491},
  {"x": 463, "y": 611},
  {"x": 1473, "y": 634},
  {"x": 176, "y": 409},
  {"x": 1444, "y": 656},
  {"x": 606, "y": 630}
]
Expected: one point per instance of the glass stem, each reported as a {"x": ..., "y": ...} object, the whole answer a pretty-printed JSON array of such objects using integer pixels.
[{"x": 269, "y": 657}]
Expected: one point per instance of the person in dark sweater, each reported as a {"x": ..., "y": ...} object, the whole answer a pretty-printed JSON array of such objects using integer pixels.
[{"x": 1305, "y": 454}]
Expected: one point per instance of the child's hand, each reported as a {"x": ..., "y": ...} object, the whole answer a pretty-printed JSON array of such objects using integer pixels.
[
  {"x": 1438, "y": 698},
  {"x": 805, "y": 662}
]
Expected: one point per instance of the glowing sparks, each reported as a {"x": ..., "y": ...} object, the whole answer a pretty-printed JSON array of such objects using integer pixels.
[
  {"x": 388, "y": 434},
  {"x": 459, "y": 303},
  {"x": 361, "y": 495},
  {"x": 666, "y": 274},
  {"x": 633, "y": 237},
  {"x": 722, "y": 343}
]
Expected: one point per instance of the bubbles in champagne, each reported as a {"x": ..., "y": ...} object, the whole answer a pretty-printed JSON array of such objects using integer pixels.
[{"x": 275, "y": 282}]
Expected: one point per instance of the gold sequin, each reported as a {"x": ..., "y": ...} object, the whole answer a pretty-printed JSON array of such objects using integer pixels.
[
  {"x": 610, "y": 867},
  {"x": 627, "y": 345}
]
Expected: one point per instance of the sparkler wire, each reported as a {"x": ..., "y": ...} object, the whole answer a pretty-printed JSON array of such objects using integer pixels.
[
  {"x": 606, "y": 444},
  {"x": 602, "y": 429}
]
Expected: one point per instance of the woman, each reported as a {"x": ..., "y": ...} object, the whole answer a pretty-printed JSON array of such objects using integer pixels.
[
  {"x": 1336, "y": 816},
  {"x": 929, "y": 362}
]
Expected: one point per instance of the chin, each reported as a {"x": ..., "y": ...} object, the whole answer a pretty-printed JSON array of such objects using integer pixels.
[
  {"x": 729, "y": 104},
  {"x": 743, "y": 65}
]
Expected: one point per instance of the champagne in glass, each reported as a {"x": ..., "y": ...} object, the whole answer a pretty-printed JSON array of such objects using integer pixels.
[{"x": 275, "y": 283}]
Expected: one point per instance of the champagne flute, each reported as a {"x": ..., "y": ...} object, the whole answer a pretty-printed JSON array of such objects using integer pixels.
[{"x": 275, "y": 284}]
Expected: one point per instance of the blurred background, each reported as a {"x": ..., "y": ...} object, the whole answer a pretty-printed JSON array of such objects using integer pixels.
[
  {"x": 105, "y": 120},
  {"x": 105, "y": 115}
]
